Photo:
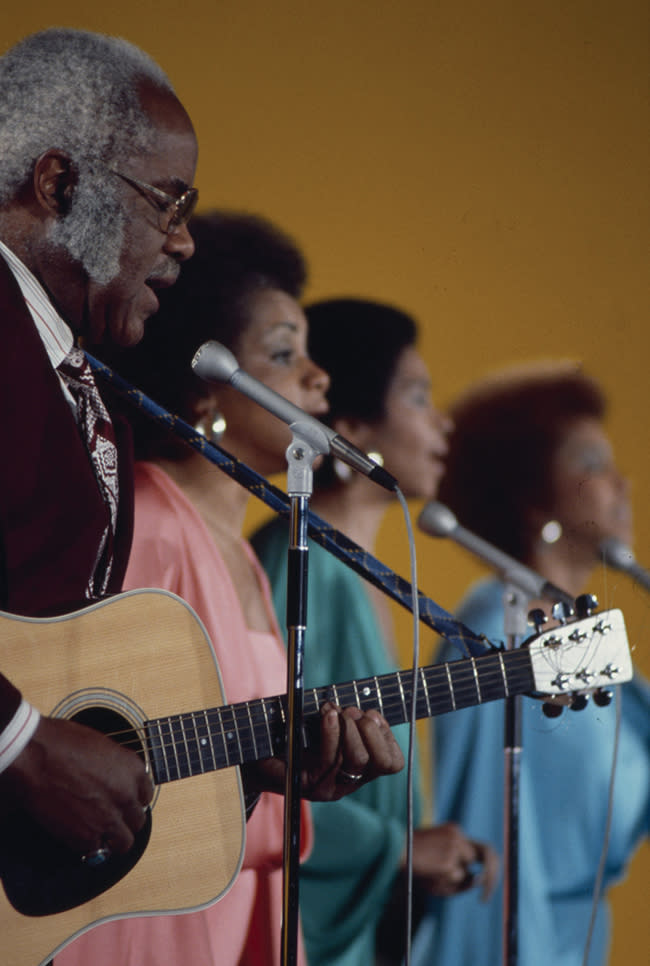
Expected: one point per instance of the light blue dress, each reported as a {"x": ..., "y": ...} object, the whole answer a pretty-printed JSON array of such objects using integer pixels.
[
  {"x": 565, "y": 772},
  {"x": 347, "y": 880}
]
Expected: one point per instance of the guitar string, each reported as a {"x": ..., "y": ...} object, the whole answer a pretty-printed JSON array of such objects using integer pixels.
[
  {"x": 391, "y": 700},
  {"x": 390, "y": 694}
]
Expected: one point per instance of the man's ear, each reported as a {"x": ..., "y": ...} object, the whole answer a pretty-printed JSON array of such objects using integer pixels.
[{"x": 55, "y": 178}]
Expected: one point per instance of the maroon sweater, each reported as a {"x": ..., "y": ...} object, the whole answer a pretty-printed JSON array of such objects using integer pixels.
[{"x": 52, "y": 513}]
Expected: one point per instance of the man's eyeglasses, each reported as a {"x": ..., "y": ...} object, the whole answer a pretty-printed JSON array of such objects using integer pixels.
[{"x": 172, "y": 211}]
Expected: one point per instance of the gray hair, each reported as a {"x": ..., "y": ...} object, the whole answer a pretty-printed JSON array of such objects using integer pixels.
[{"x": 79, "y": 92}]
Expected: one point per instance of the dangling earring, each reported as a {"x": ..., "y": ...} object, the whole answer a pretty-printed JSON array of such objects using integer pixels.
[
  {"x": 551, "y": 531},
  {"x": 216, "y": 424},
  {"x": 341, "y": 470},
  {"x": 217, "y": 428}
]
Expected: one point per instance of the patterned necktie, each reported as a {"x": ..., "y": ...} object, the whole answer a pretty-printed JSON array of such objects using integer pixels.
[{"x": 97, "y": 431}]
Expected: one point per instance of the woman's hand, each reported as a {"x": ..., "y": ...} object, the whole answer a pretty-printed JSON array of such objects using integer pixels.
[{"x": 446, "y": 862}]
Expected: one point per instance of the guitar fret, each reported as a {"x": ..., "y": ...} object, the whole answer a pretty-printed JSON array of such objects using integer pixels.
[
  {"x": 402, "y": 695},
  {"x": 478, "y": 686},
  {"x": 158, "y": 755},
  {"x": 452, "y": 693},
  {"x": 311, "y": 695},
  {"x": 235, "y": 730},
  {"x": 188, "y": 759},
  {"x": 336, "y": 694},
  {"x": 503, "y": 674},
  {"x": 171, "y": 766},
  {"x": 192, "y": 761},
  {"x": 205, "y": 746},
  {"x": 224, "y": 740},
  {"x": 357, "y": 699},
  {"x": 380, "y": 701},
  {"x": 196, "y": 743},
  {"x": 174, "y": 744},
  {"x": 268, "y": 727},
  {"x": 425, "y": 691},
  {"x": 252, "y": 728},
  {"x": 208, "y": 728}
]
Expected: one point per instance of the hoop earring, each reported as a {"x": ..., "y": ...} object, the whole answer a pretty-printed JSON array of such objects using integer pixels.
[{"x": 551, "y": 531}]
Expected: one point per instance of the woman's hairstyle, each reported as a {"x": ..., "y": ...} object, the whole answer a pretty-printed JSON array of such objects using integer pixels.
[
  {"x": 507, "y": 430},
  {"x": 358, "y": 342},
  {"x": 237, "y": 255}
]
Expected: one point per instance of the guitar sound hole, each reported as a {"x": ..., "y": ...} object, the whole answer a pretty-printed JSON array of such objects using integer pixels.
[{"x": 113, "y": 724}]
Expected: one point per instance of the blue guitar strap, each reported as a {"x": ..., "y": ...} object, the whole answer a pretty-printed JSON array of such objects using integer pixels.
[{"x": 350, "y": 553}]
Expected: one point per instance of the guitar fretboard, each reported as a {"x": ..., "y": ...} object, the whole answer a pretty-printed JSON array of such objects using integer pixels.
[{"x": 204, "y": 741}]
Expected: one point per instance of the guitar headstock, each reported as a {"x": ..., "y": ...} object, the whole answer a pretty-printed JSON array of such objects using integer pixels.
[{"x": 579, "y": 657}]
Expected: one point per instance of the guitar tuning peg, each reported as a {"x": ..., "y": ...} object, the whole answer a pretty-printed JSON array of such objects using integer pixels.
[
  {"x": 561, "y": 612},
  {"x": 603, "y": 697},
  {"x": 586, "y": 604},
  {"x": 552, "y": 710},
  {"x": 580, "y": 702},
  {"x": 537, "y": 618}
]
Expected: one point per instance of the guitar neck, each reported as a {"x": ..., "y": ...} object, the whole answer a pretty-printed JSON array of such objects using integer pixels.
[{"x": 203, "y": 741}]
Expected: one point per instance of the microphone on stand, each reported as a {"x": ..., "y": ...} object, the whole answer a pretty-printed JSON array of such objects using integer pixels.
[
  {"x": 619, "y": 556},
  {"x": 437, "y": 520},
  {"x": 215, "y": 363}
]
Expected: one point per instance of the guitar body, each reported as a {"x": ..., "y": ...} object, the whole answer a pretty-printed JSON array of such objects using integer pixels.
[{"x": 137, "y": 656}]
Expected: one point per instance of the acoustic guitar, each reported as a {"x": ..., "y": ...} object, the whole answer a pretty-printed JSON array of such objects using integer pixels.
[{"x": 141, "y": 668}]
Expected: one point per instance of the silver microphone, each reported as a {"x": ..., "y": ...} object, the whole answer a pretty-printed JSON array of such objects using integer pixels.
[
  {"x": 618, "y": 556},
  {"x": 215, "y": 363},
  {"x": 437, "y": 520}
]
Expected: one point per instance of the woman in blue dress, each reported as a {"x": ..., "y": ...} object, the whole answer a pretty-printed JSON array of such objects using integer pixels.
[
  {"x": 380, "y": 400},
  {"x": 549, "y": 493}
]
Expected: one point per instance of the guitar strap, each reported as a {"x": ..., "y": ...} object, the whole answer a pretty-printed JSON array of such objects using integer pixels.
[{"x": 350, "y": 553}]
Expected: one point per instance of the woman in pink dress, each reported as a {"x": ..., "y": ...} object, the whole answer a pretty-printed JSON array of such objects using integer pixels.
[{"x": 242, "y": 289}]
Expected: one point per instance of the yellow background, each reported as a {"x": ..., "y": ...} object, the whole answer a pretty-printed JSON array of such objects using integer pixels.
[{"x": 482, "y": 164}]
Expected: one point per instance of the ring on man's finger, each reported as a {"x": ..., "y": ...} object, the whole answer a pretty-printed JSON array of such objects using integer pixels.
[
  {"x": 347, "y": 778},
  {"x": 97, "y": 857}
]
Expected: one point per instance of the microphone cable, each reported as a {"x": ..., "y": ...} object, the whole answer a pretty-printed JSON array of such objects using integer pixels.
[
  {"x": 412, "y": 728},
  {"x": 600, "y": 872},
  {"x": 598, "y": 884}
]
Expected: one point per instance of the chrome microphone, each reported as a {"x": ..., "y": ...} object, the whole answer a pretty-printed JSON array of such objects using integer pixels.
[
  {"x": 437, "y": 520},
  {"x": 215, "y": 363},
  {"x": 619, "y": 556}
]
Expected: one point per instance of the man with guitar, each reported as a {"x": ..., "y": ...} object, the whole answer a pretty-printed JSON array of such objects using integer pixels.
[{"x": 98, "y": 159}]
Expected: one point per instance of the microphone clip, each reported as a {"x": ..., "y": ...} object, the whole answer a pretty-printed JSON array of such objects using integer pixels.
[{"x": 307, "y": 444}]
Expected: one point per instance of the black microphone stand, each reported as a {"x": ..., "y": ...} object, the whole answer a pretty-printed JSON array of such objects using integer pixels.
[
  {"x": 307, "y": 443},
  {"x": 515, "y": 603}
]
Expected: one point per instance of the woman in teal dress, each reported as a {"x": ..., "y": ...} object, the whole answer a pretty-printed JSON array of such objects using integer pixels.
[
  {"x": 380, "y": 399},
  {"x": 550, "y": 492}
]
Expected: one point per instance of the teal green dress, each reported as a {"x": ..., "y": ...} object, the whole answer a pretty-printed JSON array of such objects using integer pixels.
[{"x": 348, "y": 879}]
